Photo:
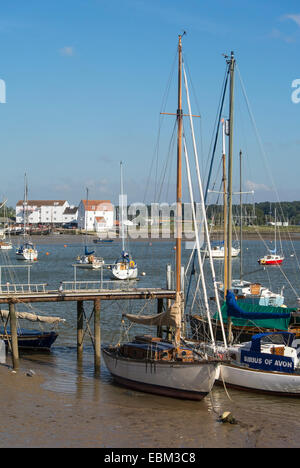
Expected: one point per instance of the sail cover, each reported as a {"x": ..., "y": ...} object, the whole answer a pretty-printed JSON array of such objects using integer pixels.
[
  {"x": 171, "y": 317},
  {"x": 252, "y": 314},
  {"x": 86, "y": 251}
]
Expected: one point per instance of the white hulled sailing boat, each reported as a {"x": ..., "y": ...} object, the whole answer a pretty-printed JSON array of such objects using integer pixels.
[
  {"x": 272, "y": 258},
  {"x": 88, "y": 260},
  {"x": 26, "y": 251},
  {"x": 5, "y": 244},
  {"x": 151, "y": 364},
  {"x": 124, "y": 267},
  {"x": 267, "y": 362}
]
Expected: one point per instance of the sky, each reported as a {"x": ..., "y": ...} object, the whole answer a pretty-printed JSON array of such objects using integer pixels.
[{"x": 85, "y": 84}]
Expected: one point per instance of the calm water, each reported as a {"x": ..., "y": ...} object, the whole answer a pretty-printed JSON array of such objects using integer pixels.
[{"x": 262, "y": 420}]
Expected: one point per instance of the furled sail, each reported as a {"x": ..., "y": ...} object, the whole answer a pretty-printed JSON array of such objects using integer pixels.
[
  {"x": 32, "y": 317},
  {"x": 171, "y": 317}
]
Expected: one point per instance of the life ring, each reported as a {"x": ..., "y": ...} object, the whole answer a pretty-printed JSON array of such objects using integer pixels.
[
  {"x": 262, "y": 261},
  {"x": 131, "y": 264}
]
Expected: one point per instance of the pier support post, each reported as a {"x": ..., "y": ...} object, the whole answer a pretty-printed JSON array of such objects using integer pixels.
[
  {"x": 160, "y": 305},
  {"x": 80, "y": 313},
  {"x": 14, "y": 336},
  {"x": 97, "y": 336}
]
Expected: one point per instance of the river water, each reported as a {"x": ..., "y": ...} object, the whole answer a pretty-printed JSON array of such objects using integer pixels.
[{"x": 135, "y": 419}]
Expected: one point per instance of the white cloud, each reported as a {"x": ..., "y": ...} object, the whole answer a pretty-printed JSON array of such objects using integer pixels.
[
  {"x": 295, "y": 18},
  {"x": 257, "y": 187},
  {"x": 67, "y": 51}
]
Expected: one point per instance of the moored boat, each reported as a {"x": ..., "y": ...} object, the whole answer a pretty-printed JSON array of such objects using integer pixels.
[
  {"x": 165, "y": 367},
  {"x": 30, "y": 339}
]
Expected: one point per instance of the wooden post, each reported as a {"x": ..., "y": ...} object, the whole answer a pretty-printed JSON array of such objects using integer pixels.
[
  {"x": 97, "y": 336},
  {"x": 169, "y": 287},
  {"x": 160, "y": 305},
  {"x": 14, "y": 336},
  {"x": 80, "y": 312}
]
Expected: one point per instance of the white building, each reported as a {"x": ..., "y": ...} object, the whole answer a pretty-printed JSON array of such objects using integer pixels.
[
  {"x": 95, "y": 215},
  {"x": 41, "y": 211},
  {"x": 70, "y": 214}
]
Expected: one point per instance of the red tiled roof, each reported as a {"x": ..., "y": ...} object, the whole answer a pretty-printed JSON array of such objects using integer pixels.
[
  {"x": 97, "y": 205},
  {"x": 42, "y": 202}
]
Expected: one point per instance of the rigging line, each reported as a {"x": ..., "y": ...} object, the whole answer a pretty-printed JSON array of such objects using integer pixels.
[
  {"x": 167, "y": 162},
  {"x": 198, "y": 109},
  {"x": 217, "y": 122},
  {"x": 257, "y": 134},
  {"x": 198, "y": 245},
  {"x": 202, "y": 200},
  {"x": 160, "y": 122}
]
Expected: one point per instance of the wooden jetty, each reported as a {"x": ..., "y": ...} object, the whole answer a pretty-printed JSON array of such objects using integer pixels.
[{"x": 79, "y": 292}]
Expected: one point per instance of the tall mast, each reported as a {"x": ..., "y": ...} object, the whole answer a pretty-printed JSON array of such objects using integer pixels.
[
  {"x": 231, "y": 63},
  {"x": 241, "y": 220},
  {"x": 86, "y": 219},
  {"x": 25, "y": 203},
  {"x": 122, "y": 206},
  {"x": 179, "y": 173},
  {"x": 230, "y": 151},
  {"x": 224, "y": 207}
]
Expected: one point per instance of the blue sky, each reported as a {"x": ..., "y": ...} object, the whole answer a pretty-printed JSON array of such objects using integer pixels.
[{"x": 85, "y": 81}]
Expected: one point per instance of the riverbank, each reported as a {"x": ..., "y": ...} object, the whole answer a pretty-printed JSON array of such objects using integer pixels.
[{"x": 249, "y": 234}]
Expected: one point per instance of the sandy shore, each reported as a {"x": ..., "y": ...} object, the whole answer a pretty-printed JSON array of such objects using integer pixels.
[{"x": 32, "y": 417}]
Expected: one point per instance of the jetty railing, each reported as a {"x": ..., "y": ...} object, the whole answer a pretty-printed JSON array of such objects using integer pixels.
[
  {"x": 19, "y": 288},
  {"x": 72, "y": 286}
]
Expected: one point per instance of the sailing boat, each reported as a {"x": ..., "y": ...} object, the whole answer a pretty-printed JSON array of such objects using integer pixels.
[
  {"x": 26, "y": 251},
  {"x": 272, "y": 258},
  {"x": 151, "y": 364},
  {"x": 269, "y": 361},
  {"x": 88, "y": 259},
  {"x": 124, "y": 267},
  {"x": 4, "y": 243}
]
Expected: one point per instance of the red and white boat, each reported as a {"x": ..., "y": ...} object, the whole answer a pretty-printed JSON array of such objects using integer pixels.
[{"x": 272, "y": 259}]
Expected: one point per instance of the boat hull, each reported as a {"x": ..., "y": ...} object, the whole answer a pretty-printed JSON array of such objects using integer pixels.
[
  {"x": 25, "y": 254},
  {"x": 6, "y": 246},
  {"x": 259, "y": 381},
  {"x": 192, "y": 381},
  {"x": 31, "y": 339},
  {"x": 124, "y": 274}
]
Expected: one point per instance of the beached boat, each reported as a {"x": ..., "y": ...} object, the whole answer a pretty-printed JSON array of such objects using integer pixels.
[
  {"x": 124, "y": 267},
  {"x": 31, "y": 340},
  {"x": 152, "y": 364},
  {"x": 267, "y": 363}
]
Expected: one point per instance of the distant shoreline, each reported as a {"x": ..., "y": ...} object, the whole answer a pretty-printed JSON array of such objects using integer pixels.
[{"x": 216, "y": 236}]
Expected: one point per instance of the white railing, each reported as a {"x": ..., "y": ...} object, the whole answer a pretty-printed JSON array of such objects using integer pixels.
[
  {"x": 27, "y": 288},
  {"x": 71, "y": 286}
]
